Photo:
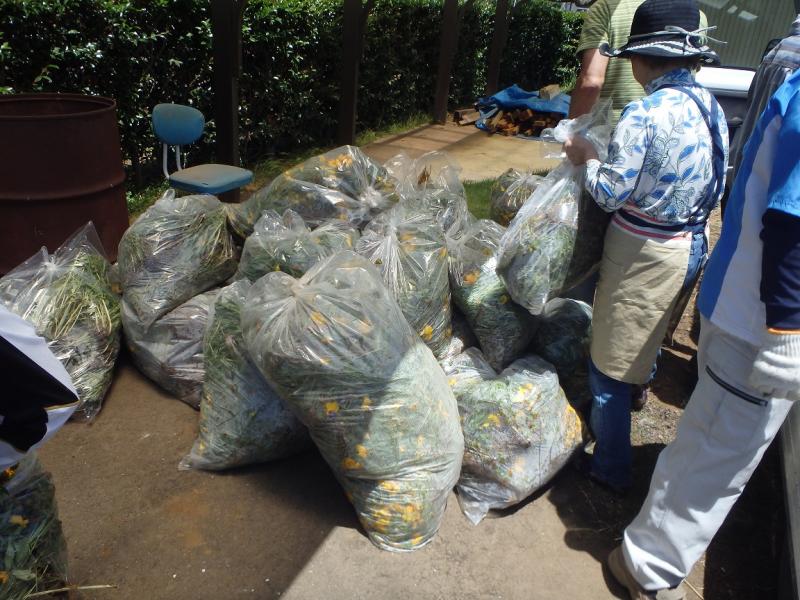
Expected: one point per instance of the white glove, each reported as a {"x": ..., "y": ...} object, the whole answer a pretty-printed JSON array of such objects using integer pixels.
[{"x": 776, "y": 370}]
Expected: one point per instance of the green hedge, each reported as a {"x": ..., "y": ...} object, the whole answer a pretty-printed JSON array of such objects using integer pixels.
[{"x": 142, "y": 52}]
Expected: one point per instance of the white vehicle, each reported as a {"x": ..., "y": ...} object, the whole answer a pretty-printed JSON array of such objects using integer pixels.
[{"x": 750, "y": 28}]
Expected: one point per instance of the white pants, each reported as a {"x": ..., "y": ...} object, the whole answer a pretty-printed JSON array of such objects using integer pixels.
[{"x": 721, "y": 438}]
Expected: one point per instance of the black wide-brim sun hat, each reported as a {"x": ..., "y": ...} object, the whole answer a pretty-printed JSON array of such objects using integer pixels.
[{"x": 665, "y": 29}]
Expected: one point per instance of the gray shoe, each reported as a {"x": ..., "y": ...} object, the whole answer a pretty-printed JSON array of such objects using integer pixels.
[{"x": 616, "y": 563}]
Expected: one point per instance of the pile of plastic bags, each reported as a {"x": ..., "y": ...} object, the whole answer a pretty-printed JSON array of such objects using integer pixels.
[
  {"x": 411, "y": 254},
  {"x": 337, "y": 348},
  {"x": 354, "y": 280},
  {"x": 170, "y": 350},
  {"x": 503, "y": 328},
  {"x": 287, "y": 244},
  {"x": 242, "y": 419},
  {"x": 519, "y": 430},
  {"x": 556, "y": 239},
  {"x": 343, "y": 184},
  {"x": 562, "y": 338},
  {"x": 68, "y": 297},
  {"x": 509, "y": 193},
  {"x": 177, "y": 249}
]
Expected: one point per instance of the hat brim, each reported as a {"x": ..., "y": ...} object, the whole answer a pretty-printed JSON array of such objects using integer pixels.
[{"x": 661, "y": 49}]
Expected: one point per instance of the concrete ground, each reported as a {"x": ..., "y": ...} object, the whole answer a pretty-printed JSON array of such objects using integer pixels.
[
  {"x": 481, "y": 156},
  {"x": 285, "y": 530}
]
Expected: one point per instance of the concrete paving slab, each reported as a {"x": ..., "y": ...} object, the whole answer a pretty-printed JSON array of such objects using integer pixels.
[
  {"x": 481, "y": 156},
  {"x": 285, "y": 530}
]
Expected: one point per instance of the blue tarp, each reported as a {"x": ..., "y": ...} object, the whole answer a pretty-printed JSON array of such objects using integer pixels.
[{"x": 515, "y": 97}]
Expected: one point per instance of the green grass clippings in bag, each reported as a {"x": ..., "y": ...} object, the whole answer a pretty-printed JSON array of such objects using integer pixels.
[
  {"x": 287, "y": 244},
  {"x": 503, "y": 328},
  {"x": 336, "y": 347},
  {"x": 177, "y": 249},
  {"x": 242, "y": 419},
  {"x": 519, "y": 430},
  {"x": 68, "y": 297}
]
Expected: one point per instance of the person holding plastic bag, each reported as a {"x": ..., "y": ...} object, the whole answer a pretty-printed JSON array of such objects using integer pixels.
[
  {"x": 555, "y": 241},
  {"x": 38, "y": 398},
  {"x": 664, "y": 174}
]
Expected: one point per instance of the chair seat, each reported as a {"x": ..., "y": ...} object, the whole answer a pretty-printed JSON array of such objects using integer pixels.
[{"x": 210, "y": 178}]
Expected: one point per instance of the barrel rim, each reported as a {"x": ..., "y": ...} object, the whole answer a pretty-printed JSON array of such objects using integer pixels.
[{"x": 104, "y": 104}]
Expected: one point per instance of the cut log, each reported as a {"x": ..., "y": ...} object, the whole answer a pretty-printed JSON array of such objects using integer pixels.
[{"x": 549, "y": 92}]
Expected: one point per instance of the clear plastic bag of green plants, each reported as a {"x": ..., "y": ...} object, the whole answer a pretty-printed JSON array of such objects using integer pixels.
[
  {"x": 287, "y": 244},
  {"x": 463, "y": 337},
  {"x": 503, "y": 328},
  {"x": 431, "y": 171},
  {"x": 519, "y": 430},
  {"x": 67, "y": 296},
  {"x": 335, "y": 345},
  {"x": 170, "y": 350},
  {"x": 242, "y": 419},
  {"x": 509, "y": 193},
  {"x": 411, "y": 254},
  {"x": 343, "y": 184},
  {"x": 430, "y": 184},
  {"x": 177, "y": 249},
  {"x": 33, "y": 553},
  {"x": 556, "y": 239},
  {"x": 562, "y": 338}
]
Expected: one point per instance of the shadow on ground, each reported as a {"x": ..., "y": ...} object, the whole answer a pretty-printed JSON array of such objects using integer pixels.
[
  {"x": 594, "y": 518},
  {"x": 743, "y": 561},
  {"x": 127, "y": 509}
]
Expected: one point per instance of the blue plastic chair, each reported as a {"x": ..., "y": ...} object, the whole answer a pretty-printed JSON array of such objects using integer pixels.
[{"x": 176, "y": 125}]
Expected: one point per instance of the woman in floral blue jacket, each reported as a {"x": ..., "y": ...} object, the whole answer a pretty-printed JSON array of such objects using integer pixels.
[{"x": 663, "y": 176}]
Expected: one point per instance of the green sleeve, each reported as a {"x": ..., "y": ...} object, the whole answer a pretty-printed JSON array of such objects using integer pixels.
[{"x": 596, "y": 26}]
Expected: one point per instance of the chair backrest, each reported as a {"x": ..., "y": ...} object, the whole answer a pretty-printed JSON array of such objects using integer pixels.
[{"x": 177, "y": 125}]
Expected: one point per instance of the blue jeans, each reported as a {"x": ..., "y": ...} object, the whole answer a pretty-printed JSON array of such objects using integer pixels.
[{"x": 610, "y": 418}]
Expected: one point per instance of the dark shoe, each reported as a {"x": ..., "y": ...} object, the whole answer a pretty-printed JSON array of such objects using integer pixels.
[
  {"x": 618, "y": 568},
  {"x": 583, "y": 463},
  {"x": 639, "y": 398}
]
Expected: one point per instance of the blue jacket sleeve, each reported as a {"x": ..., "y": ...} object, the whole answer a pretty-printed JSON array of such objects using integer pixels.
[
  {"x": 780, "y": 273},
  {"x": 780, "y": 270}
]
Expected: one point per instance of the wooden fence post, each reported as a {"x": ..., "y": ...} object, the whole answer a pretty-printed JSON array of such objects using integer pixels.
[
  {"x": 499, "y": 39},
  {"x": 226, "y": 30},
  {"x": 354, "y": 25},
  {"x": 447, "y": 51},
  {"x": 226, "y": 48}
]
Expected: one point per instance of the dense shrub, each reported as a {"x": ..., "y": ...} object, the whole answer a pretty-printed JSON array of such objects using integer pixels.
[{"x": 142, "y": 52}]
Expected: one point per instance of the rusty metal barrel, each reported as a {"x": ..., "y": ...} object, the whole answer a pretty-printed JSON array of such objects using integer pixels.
[{"x": 60, "y": 166}]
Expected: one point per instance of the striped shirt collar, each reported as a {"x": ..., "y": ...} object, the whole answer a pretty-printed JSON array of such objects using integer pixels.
[{"x": 796, "y": 26}]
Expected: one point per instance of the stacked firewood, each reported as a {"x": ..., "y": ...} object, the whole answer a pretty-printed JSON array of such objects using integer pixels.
[{"x": 522, "y": 122}]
